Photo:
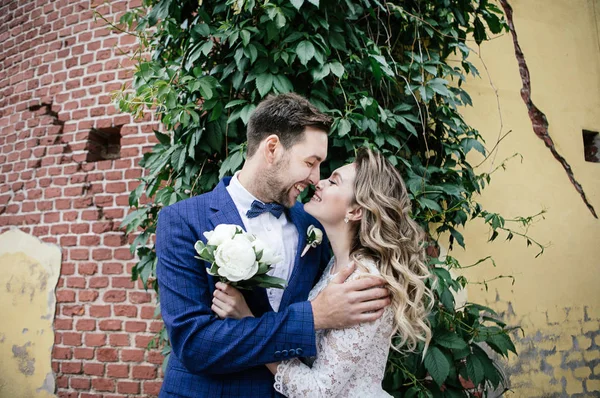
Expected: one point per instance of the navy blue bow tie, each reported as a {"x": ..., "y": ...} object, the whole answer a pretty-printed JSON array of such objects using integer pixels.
[{"x": 257, "y": 208}]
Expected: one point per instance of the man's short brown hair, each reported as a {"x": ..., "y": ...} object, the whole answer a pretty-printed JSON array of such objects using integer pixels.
[{"x": 287, "y": 116}]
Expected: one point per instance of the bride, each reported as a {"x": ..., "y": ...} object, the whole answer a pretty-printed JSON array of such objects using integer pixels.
[{"x": 364, "y": 208}]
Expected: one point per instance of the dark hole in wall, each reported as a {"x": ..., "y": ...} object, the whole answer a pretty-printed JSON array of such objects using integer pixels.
[
  {"x": 591, "y": 143},
  {"x": 104, "y": 144}
]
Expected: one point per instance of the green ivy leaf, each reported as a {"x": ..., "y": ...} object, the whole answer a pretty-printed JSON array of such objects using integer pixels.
[
  {"x": 501, "y": 343},
  {"x": 344, "y": 127},
  {"x": 439, "y": 86},
  {"x": 336, "y": 68},
  {"x": 430, "y": 204},
  {"x": 337, "y": 41},
  {"x": 231, "y": 164},
  {"x": 450, "y": 340},
  {"x": 305, "y": 51},
  {"x": 264, "y": 83},
  {"x": 133, "y": 220},
  {"x": 320, "y": 72},
  {"x": 475, "y": 369},
  {"x": 201, "y": 29},
  {"x": 245, "y": 35},
  {"x": 235, "y": 103},
  {"x": 246, "y": 112},
  {"x": 282, "y": 84},
  {"x": 458, "y": 236},
  {"x": 437, "y": 365},
  {"x": 297, "y": 3},
  {"x": 411, "y": 129},
  {"x": 162, "y": 138},
  {"x": 479, "y": 31},
  {"x": 471, "y": 143},
  {"x": 206, "y": 86}
]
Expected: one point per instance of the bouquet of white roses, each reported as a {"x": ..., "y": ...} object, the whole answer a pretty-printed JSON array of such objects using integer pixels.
[{"x": 238, "y": 258}]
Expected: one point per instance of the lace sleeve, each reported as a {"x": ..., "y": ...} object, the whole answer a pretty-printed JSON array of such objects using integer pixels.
[{"x": 341, "y": 353}]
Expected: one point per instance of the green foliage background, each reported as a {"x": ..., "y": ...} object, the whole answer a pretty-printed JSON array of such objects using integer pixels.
[{"x": 389, "y": 73}]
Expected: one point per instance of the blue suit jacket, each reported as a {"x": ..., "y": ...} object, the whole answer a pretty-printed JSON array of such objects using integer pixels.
[{"x": 212, "y": 357}]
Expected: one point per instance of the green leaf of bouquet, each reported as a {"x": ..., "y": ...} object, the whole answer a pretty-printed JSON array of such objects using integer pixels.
[
  {"x": 199, "y": 247},
  {"x": 262, "y": 267},
  {"x": 268, "y": 281},
  {"x": 259, "y": 256},
  {"x": 214, "y": 269}
]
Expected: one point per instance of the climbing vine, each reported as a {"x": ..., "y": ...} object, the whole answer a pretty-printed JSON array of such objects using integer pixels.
[{"x": 390, "y": 73}]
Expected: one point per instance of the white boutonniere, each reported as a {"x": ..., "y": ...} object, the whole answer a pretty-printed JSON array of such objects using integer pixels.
[{"x": 314, "y": 237}]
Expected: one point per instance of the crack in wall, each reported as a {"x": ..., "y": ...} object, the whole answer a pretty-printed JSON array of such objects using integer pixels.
[
  {"x": 37, "y": 162},
  {"x": 538, "y": 118}
]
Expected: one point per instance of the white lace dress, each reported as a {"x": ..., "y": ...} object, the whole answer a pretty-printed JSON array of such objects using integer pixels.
[{"x": 350, "y": 362}]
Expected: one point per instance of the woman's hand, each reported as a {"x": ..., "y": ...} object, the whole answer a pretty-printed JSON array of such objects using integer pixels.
[{"x": 228, "y": 302}]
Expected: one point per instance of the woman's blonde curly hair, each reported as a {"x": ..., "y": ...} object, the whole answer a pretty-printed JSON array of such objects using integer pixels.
[{"x": 389, "y": 237}]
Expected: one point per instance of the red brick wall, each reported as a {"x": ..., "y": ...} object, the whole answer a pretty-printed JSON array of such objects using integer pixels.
[{"x": 58, "y": 68}]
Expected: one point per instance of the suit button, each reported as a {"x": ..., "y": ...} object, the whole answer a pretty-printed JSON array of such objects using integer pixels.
[
  {"x": 277, "y": 354},
  {"x": 292, "y": 352},
  {"x": 299, "y": 351},
  {"x": 284, "y": 353}
]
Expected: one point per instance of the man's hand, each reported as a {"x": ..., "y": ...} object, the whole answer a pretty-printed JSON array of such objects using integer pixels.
[
  {"x": 228, "y": 302},
  {"x": 341, "y": 304}
]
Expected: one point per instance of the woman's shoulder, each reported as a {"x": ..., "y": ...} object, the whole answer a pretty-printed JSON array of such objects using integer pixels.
[{"x": 365, "y": 267}]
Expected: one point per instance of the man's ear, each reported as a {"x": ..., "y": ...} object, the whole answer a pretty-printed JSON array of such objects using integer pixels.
[
  {"x": 355, "y": 214},
  {"x": 271, "y": 147}
]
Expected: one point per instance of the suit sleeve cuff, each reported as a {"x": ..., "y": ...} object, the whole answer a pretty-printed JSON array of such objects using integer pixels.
[{"x": 301, "y": 331}]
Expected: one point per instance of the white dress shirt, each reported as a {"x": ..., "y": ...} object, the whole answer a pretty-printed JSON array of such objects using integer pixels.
[{"x": 280, "y": 234}]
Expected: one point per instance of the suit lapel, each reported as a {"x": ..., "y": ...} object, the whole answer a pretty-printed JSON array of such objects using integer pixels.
[
  {"x": 298, "y": 218},
  {"x": 223, "y": 208}
]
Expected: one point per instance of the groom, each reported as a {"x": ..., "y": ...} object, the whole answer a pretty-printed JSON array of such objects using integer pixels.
[{"x": 212, "y": 357}]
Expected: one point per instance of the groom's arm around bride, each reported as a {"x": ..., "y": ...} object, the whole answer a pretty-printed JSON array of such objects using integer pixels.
[{"x": 214, "y": 357}]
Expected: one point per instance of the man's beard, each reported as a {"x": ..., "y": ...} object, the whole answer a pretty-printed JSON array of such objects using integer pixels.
[{"x": 275, "y": 186}]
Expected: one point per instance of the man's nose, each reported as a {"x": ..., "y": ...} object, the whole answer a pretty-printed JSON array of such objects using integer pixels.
[{"x": 315, "y": 175}]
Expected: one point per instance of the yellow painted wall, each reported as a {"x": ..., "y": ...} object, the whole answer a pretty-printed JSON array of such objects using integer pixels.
[
  {"x": 29, "y": 271},
  {"x": 556, "y": 297}
]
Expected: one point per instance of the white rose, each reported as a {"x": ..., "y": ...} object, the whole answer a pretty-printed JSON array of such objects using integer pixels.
[
  {"x": 220, "y": 234},
  {"x": 236, "y": 259},
  {"x": 268, "y": 255}
]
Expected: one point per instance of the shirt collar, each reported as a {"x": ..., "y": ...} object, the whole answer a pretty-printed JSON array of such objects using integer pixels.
[{"x": 239, "y": 194}]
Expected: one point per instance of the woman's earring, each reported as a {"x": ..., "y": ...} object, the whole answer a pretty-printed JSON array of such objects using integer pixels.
[{"x": 346, "y": 220}]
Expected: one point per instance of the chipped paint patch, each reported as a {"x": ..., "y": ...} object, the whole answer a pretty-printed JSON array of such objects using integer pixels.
[
  {"x": 559, "y": 355},
  {"x": 26, "y": 362},
  {"x": 29, "y": 271}
]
